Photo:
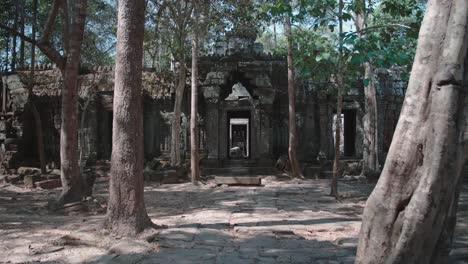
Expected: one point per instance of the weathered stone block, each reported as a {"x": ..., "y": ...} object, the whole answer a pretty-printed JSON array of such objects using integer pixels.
[
  {"x": 50, "y": 176},
  {"x": 31, "y": 180},
  {"x": 169, "y": 176},
  {"x": 152, "y": 175},
  {"x": 163, "y": 176},
  {"x": 49, "y": 184},
  {"x": 238, "y": 180},
  {"x": 55, "y": 172},
  {"x": 312, "y": 172},
  {"x": 28, "y": 171},
  {"x": 12, "y": 179}
]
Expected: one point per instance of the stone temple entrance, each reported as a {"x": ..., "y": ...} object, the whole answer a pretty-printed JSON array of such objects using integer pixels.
[
  {"x": 239, "y": 138},
  {"x": 239, "y": 134}
]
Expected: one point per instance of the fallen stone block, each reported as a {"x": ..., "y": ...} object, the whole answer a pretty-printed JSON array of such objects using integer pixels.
[
  {"x": 12, "y": 179},
  {"x": 163, "y": 176},
  {"x": 31, "y": 180},
  {"x": 54, "y": 172},
  {"x": 169, "y": 177},
  {"x": 28, "y": 171},
  {"x": 131, "y": 246},
  {"x": 152, "y": 175},
  {"x": 50, "y": 176},
  {"x": 49, "y": 184},
  {"x": 312, "y": 172},
  {"x": 238, "y": 180}
]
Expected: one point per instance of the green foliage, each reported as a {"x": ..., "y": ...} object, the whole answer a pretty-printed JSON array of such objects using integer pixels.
[{"x": 391, "y": 36}]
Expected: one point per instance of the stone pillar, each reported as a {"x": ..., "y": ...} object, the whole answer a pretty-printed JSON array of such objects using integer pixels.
[
  {"x": 265, "y": 140},
  {"x": 212, "y": 133},
  {"x": 223, "y": 134},
  {"x": 215, "y": 119},
  {"x": 150, "y": 122},
  {"x": 256, "y": 136},
  {"x": 359, "y": 133},
  {"x": 325, "y": 129},
  {"x": 92, "y": 129},
  {"x": 309, "y": 146}
]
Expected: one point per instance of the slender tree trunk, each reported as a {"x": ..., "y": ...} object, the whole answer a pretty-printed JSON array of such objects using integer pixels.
[
  {"x": 409, "y": 214},
  {"x": 175, "y": 137},
  {"x": 295, "y": 170},
  {"x": 7, "y": 52},
  {"x": 22, "y": 46},
  {"x": 15, "y": 28},
  {"x": 32, "y": 105},
  {"x": 126, "y": 214},
  {"x": 194, "y": 155},
  {"x": 371, "y": 161},
  {"x": 73, "y": 183},
  {"x": 274, "y": 36},
  {"x": 339, "y": 106}
]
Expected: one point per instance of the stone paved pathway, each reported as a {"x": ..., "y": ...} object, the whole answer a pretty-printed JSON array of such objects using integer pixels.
[{"x": 280, "y": 222}]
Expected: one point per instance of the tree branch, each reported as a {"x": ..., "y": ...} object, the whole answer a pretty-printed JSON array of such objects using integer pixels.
[
  {"x": 382, "y": 26},
  {"x": 46, "y": 48},
  {"x": 50, "y": 22}
]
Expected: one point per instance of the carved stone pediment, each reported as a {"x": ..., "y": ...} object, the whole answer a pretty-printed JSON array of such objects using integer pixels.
[{"x": 239, "y": 92}]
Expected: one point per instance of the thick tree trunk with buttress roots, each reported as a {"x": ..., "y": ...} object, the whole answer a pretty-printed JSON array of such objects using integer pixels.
[
  {"x": 175, "y": 131},
  {"x": 126, "y": 213},
  {"x": 194, "y": 152},
  {"x": 73, "y": 183},
  {"x": 370, "y": 156},
  {"x": 409, "y": 216},
  {"x": 295, "y": 169}
]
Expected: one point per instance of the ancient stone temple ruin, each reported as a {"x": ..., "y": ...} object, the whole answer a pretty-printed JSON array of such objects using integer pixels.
[{"x": 243, "y": 113}]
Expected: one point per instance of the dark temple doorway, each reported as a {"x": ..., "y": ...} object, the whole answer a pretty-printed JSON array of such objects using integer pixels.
[
  {"x": 238, "y": 134},
  {"x": 349, "y": 132}
]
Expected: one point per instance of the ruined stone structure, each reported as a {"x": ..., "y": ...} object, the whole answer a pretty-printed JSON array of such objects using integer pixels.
[{"x": 243, "y": 111}]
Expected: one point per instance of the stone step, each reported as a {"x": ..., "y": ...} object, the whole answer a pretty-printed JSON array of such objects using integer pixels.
[
  {"x": 240, "y": 171},
  {"x": 328, "y": 174},
  {"x": 239, "y": 180}
]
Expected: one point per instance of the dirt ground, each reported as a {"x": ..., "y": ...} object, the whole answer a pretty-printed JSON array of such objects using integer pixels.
[{"x": 291, "y": 221}]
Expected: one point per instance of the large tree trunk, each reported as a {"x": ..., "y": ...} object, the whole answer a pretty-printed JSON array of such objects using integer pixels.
[
  {"x": 126, "y": 214},
  {"x": 339, "y": 106},
  {"x": 32, "y": 105},
  {"x": 411, "y": 211},
  {"x": 370, "y": 156},
  {"x": 175, "y": 137},
  {"x": 295, "y": 170},
  {"x": 72, "y": 182},
  {"x": 194, "y": 152}
]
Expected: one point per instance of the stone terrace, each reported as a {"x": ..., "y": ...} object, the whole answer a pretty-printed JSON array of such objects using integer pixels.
[{"x": 279, "y": 222}]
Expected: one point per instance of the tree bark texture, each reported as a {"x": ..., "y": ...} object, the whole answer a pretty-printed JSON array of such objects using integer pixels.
[
  {"x": 126, "y": 213},
  {"x": 409, "y": 216},
  {"x": 32, "y": 105},
  {"x": 339, "y": 106},
  {"x": 179, "y": 93},
  {"x": 15, "y": 28},
  {"x": 36, "y": 115},
  {"x": 22, "y": 18},
  {"x": 73, "y": 183},
  {"x": 370, "y": 121},
  {"x": 295, "y": 169},
  {"x": 194, "y": 151}
]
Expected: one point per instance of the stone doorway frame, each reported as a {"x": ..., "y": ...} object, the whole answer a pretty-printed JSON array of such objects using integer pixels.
[{"x": 240, "y": 121}]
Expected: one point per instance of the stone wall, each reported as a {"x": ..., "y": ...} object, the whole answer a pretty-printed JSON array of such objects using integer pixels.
[
  {"x": 264, "y": 101},
  {"x": 95, "y": 91}
]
